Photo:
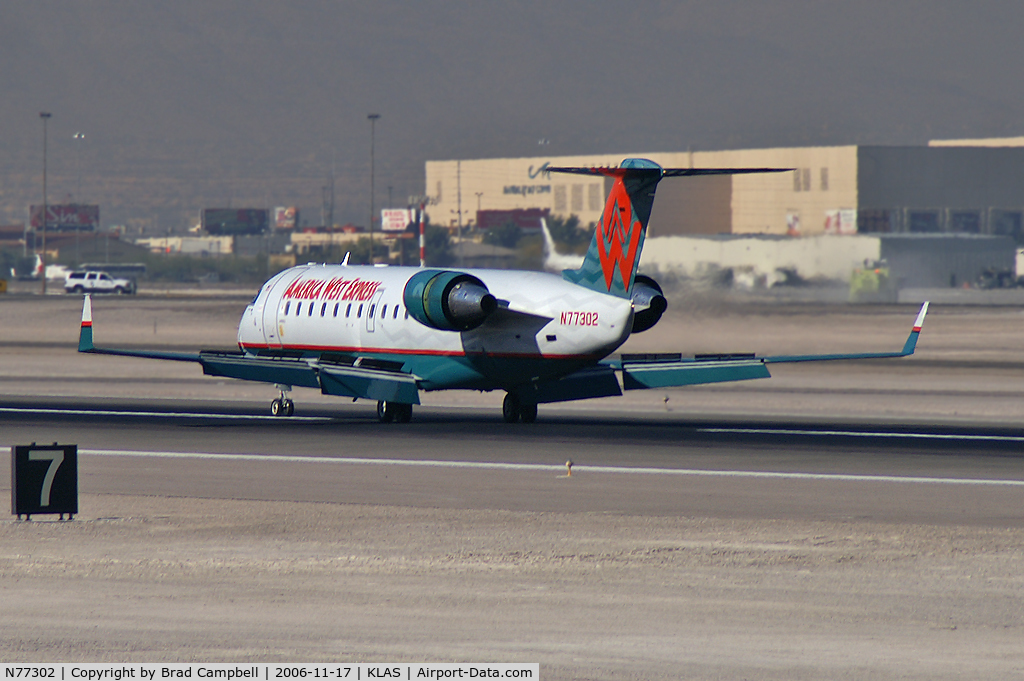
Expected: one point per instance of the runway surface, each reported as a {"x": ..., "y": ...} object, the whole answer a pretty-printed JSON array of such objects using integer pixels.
[
  {"x": 858, "y": 521},
  {"x": 624, "y": 463}
]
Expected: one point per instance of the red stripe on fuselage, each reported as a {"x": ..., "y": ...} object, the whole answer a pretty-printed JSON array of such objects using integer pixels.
[{"x": 392, "y": 351}]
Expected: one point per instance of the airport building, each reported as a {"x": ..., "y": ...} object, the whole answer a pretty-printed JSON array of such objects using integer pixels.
[{"x": 949, "y": 187}]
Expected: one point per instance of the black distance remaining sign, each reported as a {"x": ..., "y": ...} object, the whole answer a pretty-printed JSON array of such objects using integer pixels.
[{"x": 44, "y": 479}]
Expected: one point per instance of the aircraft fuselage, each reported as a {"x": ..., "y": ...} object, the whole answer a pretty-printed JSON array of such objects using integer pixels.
[{"x": 544, "y": 327}]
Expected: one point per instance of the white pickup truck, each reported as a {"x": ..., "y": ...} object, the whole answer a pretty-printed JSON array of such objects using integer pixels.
[{"x": 89, "y": 281}]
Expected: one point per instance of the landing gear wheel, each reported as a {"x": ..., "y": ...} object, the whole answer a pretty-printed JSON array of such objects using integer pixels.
[
  {"x": 528, "y": 412},
  {"x": 282, "y": 406},
  {"x": 394, "y": 412},
  {"x": 511, "y": 409}
]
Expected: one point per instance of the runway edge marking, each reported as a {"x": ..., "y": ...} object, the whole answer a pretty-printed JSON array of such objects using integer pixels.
[{"x": 429, "y": 463}]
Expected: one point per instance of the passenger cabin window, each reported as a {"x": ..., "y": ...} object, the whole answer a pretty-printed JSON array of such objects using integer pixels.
[
  {"x": 298, "y": 308},
  {"x": 359, "y": 312},
  {"x": 336, "y": 305},
  {"x": 406, "y": 313},
  {"x": 323, "y": 310},
  {"x": 370, "y": 313},
  {"x": 384, "y": 312},
  {"x": 348, "y": 310},
  {"x": 311, "y": 306},
  {"x": 395, "y": 316},
  {"x": 287, "y": 306}
]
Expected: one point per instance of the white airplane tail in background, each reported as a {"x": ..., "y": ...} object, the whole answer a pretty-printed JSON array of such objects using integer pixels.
[{"x": 553, "y": 260}]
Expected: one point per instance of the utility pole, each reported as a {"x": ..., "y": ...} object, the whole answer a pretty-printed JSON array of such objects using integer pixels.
[
  {"x": 78, "y": 137},
  {"x": 373, "y": 125},
  {"x": 45, "y": 115},
  {"x": 459, "y": 185},
  {"x": 330, "y": 212}
]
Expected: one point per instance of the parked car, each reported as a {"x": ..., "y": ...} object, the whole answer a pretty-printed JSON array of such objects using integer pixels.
[{"x": 89, "y": 281}]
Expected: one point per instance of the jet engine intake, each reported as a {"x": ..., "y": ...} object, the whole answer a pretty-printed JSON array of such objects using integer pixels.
[
  {"x": 648, "y": 303},
  {"x": 449, "y": 301}
]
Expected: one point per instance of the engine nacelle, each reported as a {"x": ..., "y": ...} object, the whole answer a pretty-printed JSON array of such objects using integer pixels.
[
  {"x": 648, "y": 303},
  {"x": 449, "y": 301}
]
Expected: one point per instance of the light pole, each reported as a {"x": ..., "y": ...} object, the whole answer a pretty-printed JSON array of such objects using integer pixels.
[
  {"x": 373, "y": 123},
  {"x": 459, "y": 186},
  {"x": 45, "y": 115},
  {"x": 79, "y": 137},
  {"x": 78, "y": 164}
]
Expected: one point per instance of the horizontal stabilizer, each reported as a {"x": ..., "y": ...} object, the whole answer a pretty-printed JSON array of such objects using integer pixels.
[{"x": 665, "y": 172}]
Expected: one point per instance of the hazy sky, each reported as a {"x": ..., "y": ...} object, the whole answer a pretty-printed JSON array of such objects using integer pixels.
[{"x": 251, "y": 101}]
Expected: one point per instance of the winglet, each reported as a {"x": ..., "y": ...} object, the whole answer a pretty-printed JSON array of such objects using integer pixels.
[
  {"x": 85, "y": 337},
  {"x": 908, "y": 348}
]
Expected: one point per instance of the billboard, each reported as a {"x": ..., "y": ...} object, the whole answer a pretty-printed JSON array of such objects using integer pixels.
[
  {"x": 842, "y": 221},
  {"x": 231, "y": 221},
  {"x": 286, "y": 217},
  {"x": 527, "y": 219},
  {"x": 396, "y": 219},
  {"x": 66, "y": 217}
]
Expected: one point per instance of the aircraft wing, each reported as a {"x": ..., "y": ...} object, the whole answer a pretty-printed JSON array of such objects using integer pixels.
[
  {"x": 662, "y": 371},
  {"x": 344, "y": 376}
]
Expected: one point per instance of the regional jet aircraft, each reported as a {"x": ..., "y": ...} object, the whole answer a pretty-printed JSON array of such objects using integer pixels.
[{"x": 386, "y": 333}]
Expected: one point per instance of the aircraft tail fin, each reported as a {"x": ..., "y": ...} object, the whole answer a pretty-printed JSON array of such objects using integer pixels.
[{"x": 612, "y": 260}]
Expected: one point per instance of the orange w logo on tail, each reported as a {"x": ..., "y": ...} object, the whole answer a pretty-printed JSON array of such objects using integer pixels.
[{"x": 617, "y": 230}]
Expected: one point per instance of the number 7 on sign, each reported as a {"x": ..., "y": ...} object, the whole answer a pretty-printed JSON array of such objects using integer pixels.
[{"x": 56, "y": 458}]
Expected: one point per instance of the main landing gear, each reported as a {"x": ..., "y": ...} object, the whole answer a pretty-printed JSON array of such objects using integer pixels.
[
  {"x": 282, "y": 406},
  {"x": 396, "y": 412},
  {"x": 513, "y": 410}
]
